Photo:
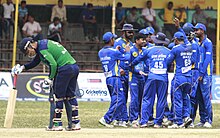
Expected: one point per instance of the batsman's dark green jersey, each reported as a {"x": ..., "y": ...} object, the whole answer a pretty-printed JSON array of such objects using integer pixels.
[{"x": 52, "y": 54}]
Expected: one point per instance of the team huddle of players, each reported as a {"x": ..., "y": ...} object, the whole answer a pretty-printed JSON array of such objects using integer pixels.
[{"x": 141, "y": 68}]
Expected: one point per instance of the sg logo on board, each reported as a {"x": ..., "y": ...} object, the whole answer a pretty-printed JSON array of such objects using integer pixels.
[{"x": 34, "y": 86}]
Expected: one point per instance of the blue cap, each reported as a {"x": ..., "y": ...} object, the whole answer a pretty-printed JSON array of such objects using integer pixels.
[
  {"x": 160, "y": 38},
  {"x": 200, "y": 26},
  {"x": 24, "y": 44},
  {"x": 128, "y": 27},
  {"x": 178, "y": 35},
  {"x": 150, "y": 30},
  {"x": 144, "y": 31},
  {"x": 187, "y": 28},
  {"x": 108, "y": 36}
]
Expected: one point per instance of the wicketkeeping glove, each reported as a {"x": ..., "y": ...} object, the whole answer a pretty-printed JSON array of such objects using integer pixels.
[
  {"x": 47, "y": 85},
  {"x": 17, "y": 69}
]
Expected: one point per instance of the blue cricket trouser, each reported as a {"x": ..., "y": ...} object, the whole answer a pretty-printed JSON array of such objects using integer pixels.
[
  {"x": 64, "y": 88},
  {"x": 151, "y": 88},
  {"x": 151, "y": 117},
  {"x": 117, "y": 99},
  {"x": 65, "y": 81},
  {"x": 136, "y": 90},
  {"x": 204, "y": 99},
  {"x": 193, "y": 100},
  {"x": 125, "y": 84},
  {"x": 181, "y": 106}
]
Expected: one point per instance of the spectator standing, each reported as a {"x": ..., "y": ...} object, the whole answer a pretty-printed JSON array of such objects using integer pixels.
[
  {"x": 8, "y": 17},
  {"x": 55, "y": 30},
  {"x": 32, "y": 29},
  {"x": 149, "y": 15},
  {"x": 23, "y": 15},
  {"x": 181, "y": 15},
  {"x": 1, "y": 17},
  {"x": 59, "y": 11},
  {"x": 168, "y": 16},
  {"x": 89, "y": 21},
  {"x": 200, "y": 16},
  {"x": 120, "y": 15},
  {"x": 133, "y": 17}
]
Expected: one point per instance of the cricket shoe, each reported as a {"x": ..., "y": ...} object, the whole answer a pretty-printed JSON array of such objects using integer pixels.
[
  {"x": 104, "y": 123},
  {"x": 166, "y": 122},
  {"x": 199, "y": 125},
  {"x": 150, "y": 123},
  {"x": 54, "y": 128},
  {"x": 144, "y": 126},
  {"x": 122, "y": 124},
  {"x": 157, "y": 126},
  {"x": 175, "y": 126},
  {"x": 191, "y": 125},
  {"x": 74, "y": 127},
  {"x": 187, "y": 121},
  {"x": 116, "y": 123},
  {"x": 134, "y": 124},
  {"x": 207, "y": 125}
]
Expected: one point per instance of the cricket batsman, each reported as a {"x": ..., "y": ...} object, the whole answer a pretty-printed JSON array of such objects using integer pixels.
[{"x": 62, "y": 77}]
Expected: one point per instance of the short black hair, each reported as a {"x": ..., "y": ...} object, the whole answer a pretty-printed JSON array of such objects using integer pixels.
[
  {"x": 119, "y": 4},
  {"x": 170, "y": 2},
  {"x": 23, "y": 2},
  {"x": 89, "y": 5},
  {"x": 139, "y": 36},
  {"x": 56, "y": 19},
  {"x": 148, "y": 1},
  {"x": 133, "y": 8}
]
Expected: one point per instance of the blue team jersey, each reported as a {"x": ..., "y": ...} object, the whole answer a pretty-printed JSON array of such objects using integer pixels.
[
  {"x": 110, "y": 58},
  {"x": 134, "y": 51},
  {"x": 195, "y": 55},
  {"x": 148, "y": 45},
  {"x": 195, "y": 49},
  {"x": 156, "y": 58},
  {"x": 122, "y": 42},
  {"x": 182, "y": 54},
  {"x": 206, "y": 57}
]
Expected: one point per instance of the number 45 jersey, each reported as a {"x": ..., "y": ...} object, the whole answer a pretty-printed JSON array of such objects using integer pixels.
[{"x": 156, "y": 57}]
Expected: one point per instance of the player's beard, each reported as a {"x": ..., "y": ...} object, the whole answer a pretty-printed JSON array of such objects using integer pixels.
[{"x": 129, "y": 37}]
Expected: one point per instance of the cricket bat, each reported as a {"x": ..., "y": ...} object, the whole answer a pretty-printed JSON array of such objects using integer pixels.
[{"x": 11, "y": 105}]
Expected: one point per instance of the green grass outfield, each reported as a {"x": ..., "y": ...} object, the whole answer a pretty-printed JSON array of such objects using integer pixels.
[{"x": 30, "y": 118}]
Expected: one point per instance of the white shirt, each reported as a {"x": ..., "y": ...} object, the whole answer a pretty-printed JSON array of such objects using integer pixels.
[
  {"x": 53, "y": 28},
  {"x": 8, "y": 9},
  {"x": 149, "y": 14},
  {"x": 59, "y": 12},
  {"x": 31, "y": 27}
]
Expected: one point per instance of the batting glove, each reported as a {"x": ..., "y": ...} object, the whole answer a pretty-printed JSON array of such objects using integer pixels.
[
  {"x": 17, "y": 69},
  {"x": 47, "y": 85}
]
